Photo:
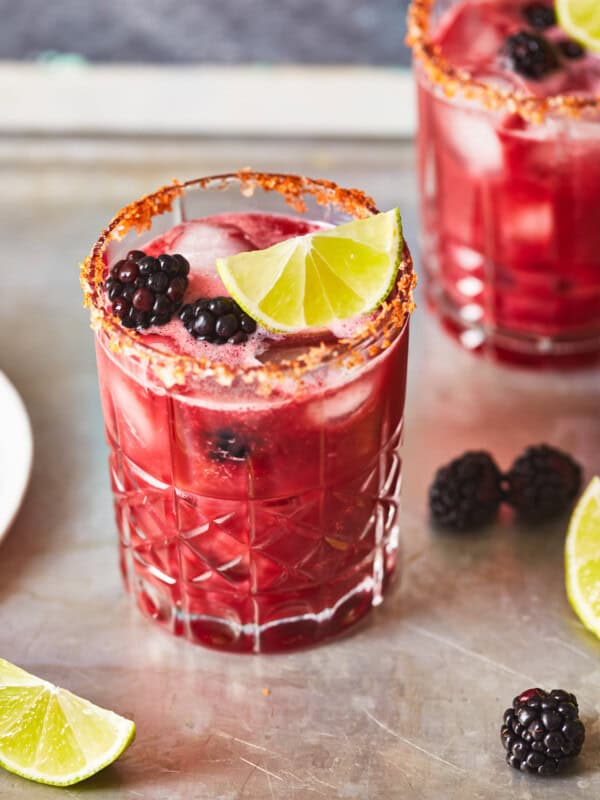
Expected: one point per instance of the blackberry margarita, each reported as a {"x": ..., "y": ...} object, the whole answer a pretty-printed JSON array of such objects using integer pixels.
[
  {"x": 255, "y": 481},
  {"x": 509, "y": 151}
]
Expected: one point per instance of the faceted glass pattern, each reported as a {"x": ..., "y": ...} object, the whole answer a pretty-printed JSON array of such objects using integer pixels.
[{"x": 256, "y": 526}]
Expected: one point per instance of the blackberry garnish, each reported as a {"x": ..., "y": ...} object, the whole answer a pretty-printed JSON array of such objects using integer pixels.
[
  {"x": 539, "y": 15},
  {"x": 542, "y": 483},
  {"x": 542, "y": 731},
  {"x": 218, "y": 320},
  {"x": 147, "y": 291},
  {"x": 531, "y": 55},
  {"x": 227, "y": 445},
  {"x": 466, "y": 493},
  {"x": 570, "y": 49}
]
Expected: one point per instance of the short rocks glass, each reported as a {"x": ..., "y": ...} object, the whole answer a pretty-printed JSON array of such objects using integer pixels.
[{"x": 257, "y": 507}]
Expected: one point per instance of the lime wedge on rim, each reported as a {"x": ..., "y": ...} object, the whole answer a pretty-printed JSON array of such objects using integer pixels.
[
  {"x": 52, "y": 736},
  {"x": 312, "y": 281},
  {"x": 581, "y": 20},
  {"x": 582, "y": 558}
]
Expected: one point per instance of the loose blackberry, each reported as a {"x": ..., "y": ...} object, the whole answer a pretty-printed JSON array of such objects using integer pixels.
[
  {"x": 218, "y": 320},
  {"x": 542, "y": 483},
  {"x": 570, "y": 49},
  {"x": 225, "y": 445},
  {"x": 531, "y": 55},
  {"x": 147, "y": 291},
  {"x": 539, "y": 15},
  {"x": 466, "y": 493},
  {"x": 542, "y": 731}
]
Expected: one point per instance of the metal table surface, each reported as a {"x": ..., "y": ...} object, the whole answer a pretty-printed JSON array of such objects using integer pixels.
[{"x": 409, "y": 704}]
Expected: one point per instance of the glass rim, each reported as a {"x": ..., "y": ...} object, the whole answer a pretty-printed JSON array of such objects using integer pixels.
[
  {"x": 454, "y": 80},
  {"x": 171, "y": 368}
]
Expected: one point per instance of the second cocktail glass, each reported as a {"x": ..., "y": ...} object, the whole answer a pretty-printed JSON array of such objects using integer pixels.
[{"x": 510, "y": 183}]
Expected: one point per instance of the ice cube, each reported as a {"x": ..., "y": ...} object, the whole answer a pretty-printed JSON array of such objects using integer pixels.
[
  {"x": 132, "y": 412},
  {"x": 342, "y": 402},
  {"x": 472, "y": 136},
  {"x": 203, "y": 242},
  {"x": 471, "y": 34}
]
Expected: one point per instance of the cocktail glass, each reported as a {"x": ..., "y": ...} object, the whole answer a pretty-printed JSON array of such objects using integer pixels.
[
  {"x": 295, "y": 538},
  {"x": 510, "y": 191}
]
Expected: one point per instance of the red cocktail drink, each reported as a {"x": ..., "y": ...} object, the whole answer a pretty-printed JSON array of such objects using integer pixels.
[
  {"x": 255, "y": 483},
  {"x": 509, "y": 149}
]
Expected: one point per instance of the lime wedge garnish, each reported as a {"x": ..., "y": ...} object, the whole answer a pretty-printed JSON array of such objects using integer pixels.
[
  {"x": 582, "y": 558},
  {"x": 312, "y": 281},
  {"x": 581, "y": 20},
  {"x": 52, "y": 736}
]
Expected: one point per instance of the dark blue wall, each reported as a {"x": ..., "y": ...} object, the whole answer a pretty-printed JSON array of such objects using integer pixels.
[{"x": 217, "y": 31}]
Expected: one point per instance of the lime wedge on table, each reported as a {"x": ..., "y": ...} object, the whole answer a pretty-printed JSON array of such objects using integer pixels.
[
  {"x": 52, "y": 736},
  {"x": 582, "y": 556},
  {"x": 581, "y": 20},
  {"x": 313, "y": 280}
]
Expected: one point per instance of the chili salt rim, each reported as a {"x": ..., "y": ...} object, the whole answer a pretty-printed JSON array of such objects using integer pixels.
[
  {"x": 375, "y": 336},
  {"x": 454, "y": 80}
]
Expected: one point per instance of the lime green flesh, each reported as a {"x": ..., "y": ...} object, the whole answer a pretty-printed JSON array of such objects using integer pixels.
[
  {"x": 582, "y": 558},
  {"x": 315, "y": 280},
  {"x": 52, "y": 736},
  {"x": 581, "y": 19}
]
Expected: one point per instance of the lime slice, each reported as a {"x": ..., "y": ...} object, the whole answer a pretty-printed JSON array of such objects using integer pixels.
[
  {"x": 581, "y": 20},
  {"x": 52, "y": 736},
  {"x": 582, "y": 557},
  {"x": 312, "y": 281}
]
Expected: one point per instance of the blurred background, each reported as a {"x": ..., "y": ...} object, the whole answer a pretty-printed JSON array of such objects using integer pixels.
[
  {"x": 207, "y": 31},
  {"x": 292, "y": 68}
]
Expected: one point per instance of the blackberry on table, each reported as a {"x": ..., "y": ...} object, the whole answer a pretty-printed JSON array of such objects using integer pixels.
[
  {"x": 147, "y": 291},
  {"x": 539, "y": 15},
  {"x": 542, "y": 483},
  {"x": 466, "y": 493},
  {"x": 542, "y": 731},
  {"x": 218, "y": 320},
  {"x": 531, "y": 55}
]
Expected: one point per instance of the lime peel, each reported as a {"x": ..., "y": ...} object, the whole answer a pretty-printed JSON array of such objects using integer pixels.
[
  {"x": 51, "y": 736},
  {"x": 582, "y": 558},
  {"x": 581, "y": 20},
  {"x": 315, "y": 280}
]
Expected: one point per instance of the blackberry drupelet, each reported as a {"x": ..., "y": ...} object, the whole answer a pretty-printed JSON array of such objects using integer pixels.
[
  {"x": 570, "y": 49},
  {"x": 218, "y": 320},
  {"x": 542, "y": 731},
  {"x": 147, "y": 291},
  {"x": 542, "y": 483},
  {"x": 539, "y": 15},
  {"x": 531, "y": 55},
  {"x": 466, "y": 493}
]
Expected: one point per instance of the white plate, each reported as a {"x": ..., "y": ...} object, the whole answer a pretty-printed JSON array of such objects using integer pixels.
[{"x": 16, "y": 453}]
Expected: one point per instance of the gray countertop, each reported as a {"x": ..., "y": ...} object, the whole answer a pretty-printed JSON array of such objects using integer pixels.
[{"x": 408, "y": 705}]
